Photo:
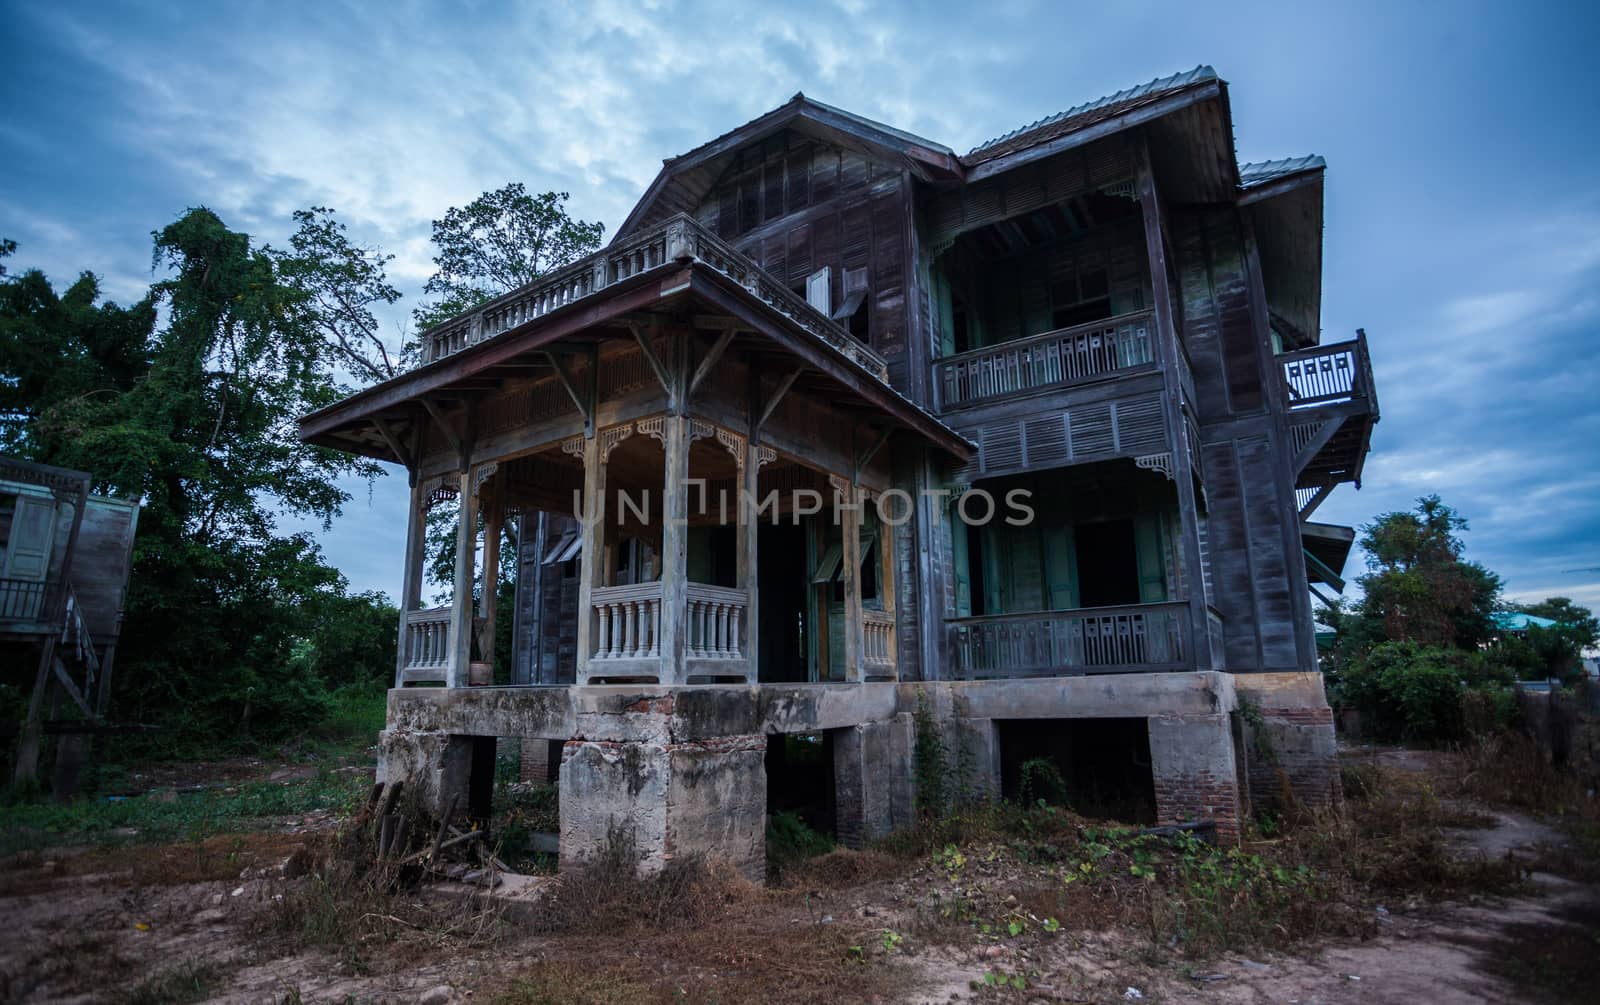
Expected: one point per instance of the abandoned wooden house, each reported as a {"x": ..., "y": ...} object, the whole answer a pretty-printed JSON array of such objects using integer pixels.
[
  {"x": 64, "y": 560},
  {"x": 768, "y": 455}
]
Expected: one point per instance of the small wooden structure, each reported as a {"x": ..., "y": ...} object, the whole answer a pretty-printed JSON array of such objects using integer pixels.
[{"x": 64, "y": 560}]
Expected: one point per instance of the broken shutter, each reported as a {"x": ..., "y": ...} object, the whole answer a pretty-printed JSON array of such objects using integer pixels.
[
  {"x": 1149, "y": 536},
  {"x": 819, "y": 293},
  {"x": 1060, "y": 568}
]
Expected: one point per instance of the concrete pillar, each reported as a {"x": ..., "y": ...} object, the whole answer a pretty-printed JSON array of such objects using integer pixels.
[
  {"x": 630, "y": 778},
  {"x": 434, "y": 766},
  {"x": 1191, "y": 759},
  {"x": 1294, "y": 747},
  {"x": 873, "y": 790}
]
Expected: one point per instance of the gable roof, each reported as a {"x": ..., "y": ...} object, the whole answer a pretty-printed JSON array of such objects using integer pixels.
[
  {"x": 1087, "y": 114},
  {"x": 685, "y": 179}
]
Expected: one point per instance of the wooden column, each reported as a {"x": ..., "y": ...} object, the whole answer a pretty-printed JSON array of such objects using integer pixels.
[
  {"x": 674, "y": 546},
  {"x": 748, "y": 555},
  {"x": 847, "y": 500},
  {"x": 461, "y": 610},
  {"x": 591, "y": 562},
  {"x": 411, "y": 572},
  {"x": 493, "y": 518},
  {"x": 1168, "y": 347}
]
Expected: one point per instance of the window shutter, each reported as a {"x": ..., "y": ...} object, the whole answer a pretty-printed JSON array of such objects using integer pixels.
[
  {"x": 1061, "y": 568},
  {"x": 1150, "y": 545}
]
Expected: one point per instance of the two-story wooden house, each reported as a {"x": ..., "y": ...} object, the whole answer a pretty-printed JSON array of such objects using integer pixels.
[{"x": 768, "y": 456}]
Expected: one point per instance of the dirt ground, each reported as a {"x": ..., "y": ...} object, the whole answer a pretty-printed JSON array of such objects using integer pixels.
[{"x": 206, "y": 921}]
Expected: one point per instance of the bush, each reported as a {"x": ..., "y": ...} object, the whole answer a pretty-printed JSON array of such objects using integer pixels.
[{"x": 1408, "y": 692}]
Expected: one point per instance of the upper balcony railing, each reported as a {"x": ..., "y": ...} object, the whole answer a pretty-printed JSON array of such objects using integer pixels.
[
  {"x": 1133, "y": 638},
  {"x": 1058, "y": 358},
  {"x": 677, "y": 239},
  {"x": 1327, "y": 374}
]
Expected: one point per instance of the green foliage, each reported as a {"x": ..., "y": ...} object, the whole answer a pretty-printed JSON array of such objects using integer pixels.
[
  {"x": 790, "y": 841},
  {"x": 1419, "y": 588},
  {"x": 341, "y": 283},
  {"x": 498, "y": 242},
  {"x": 156, "y": 818},
  {"x": 929, "y": 762},
  {"x": 1407, "y": 691},
  {"x": 1040, "y": 782}
]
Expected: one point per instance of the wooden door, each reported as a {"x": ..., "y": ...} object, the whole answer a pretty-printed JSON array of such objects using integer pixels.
[{"x": 33, "y": 526}]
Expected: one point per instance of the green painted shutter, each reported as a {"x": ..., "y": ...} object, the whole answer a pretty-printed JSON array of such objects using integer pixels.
[
  {"x": 995, "y": 570},
  {"x": 958, "y": 547},
  {"x": 947, "y": 314},
  {"x": 1149, "y": 535},
  {"x": 1061, "y": 568}
]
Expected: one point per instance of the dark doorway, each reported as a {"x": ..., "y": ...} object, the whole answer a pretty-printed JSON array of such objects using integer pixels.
[
  {"x": 781, "y": 571},
  {"x": 1096, "y": 767},
  {"x": 1108, "y": 567}
]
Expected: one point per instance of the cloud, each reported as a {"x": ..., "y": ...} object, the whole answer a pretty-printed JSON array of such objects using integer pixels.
[{"x": 1474, "y": 271}]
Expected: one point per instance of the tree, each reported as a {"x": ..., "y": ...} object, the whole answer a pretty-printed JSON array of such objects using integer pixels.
[
  {"x": 1419, "y": 588},
  {"x": 341, "y": 284},
  {"x": 196, "y": 420},
  {"x": 497, "y": 242}
]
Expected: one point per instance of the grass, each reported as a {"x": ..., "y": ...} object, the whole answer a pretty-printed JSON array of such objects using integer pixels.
[
  {"x": 159, "y": 817},
  {"x": 190, "y": 981},
  {"x": 998, "y": 873}
]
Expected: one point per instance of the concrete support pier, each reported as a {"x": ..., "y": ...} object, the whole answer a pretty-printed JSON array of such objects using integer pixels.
[{"x": 682, "y": 770}]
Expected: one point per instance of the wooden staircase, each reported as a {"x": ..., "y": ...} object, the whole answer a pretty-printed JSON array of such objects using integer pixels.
[{"x": 1333, "y": 405}]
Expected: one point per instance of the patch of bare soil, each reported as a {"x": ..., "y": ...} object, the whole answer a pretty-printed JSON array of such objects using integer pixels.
[{"x": 232, "y": 919}]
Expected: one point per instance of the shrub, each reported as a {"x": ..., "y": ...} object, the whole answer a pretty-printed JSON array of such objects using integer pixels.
[{"x": 1407, "y": 691}]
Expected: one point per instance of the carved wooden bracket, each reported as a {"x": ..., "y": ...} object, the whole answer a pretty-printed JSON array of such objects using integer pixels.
[{"x": 1161, "y": 462}]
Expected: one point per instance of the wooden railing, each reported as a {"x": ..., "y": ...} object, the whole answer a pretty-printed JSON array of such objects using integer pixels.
[
  {"x": 428, "y": 639},
  {"x": 427, "y": 648},
  {"x": 715, "y": 622},
  {"x": 877, "y": 642},
  {"x": 24, "y": 599},
  {"x": 1327, "y": 374},
  {"x": 1054, "y": 359},
  {"x": 677, "y": 239},
  {"x": 1141, "y": 637},
  {"x": 627, "y": 622}
]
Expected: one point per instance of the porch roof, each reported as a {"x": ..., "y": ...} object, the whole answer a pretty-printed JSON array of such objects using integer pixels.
[{"x": 693, "y": 279}]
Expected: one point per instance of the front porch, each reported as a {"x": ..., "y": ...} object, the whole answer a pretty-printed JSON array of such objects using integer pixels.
[{"x": 707, "y": 437}]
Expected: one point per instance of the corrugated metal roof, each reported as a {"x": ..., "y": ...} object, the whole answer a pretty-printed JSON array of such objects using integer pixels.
[
  {"x": 1260, "y": 173},
  {"x": 1094, "y": 111}
]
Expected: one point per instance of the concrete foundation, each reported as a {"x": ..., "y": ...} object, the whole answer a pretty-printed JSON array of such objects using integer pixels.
[
  {"x": 1293, "y": 749},
  {"x": 680, "y": 770}
]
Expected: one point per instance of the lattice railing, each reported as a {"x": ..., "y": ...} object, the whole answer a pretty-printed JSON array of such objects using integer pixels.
[
  {"x": 1327, "y": 374},
  {"x": 1054, "y": 359},
  {"x": 1140, "y": 637}
]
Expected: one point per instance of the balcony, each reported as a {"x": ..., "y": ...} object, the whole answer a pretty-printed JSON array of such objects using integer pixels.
[
  {"x": 676, "y": 240},
  {"x": 1054, "y": 359},
  {"x": 1138, "y": 638},
  {"x": 1333, "y": 404}
]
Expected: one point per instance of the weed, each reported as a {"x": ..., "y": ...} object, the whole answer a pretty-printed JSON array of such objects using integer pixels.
[
  {"x": 790, "y": 842},
  {"x": 190, "y": 981}
]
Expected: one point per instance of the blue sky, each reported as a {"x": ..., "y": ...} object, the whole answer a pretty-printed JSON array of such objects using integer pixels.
[{"x": 1463, "y": 200}]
